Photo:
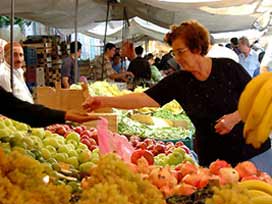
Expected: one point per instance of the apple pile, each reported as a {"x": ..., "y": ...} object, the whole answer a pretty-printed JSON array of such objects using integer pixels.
[
  {"x": 187, "y": 178},
  {"x": 87, "y": 136},
  {"x": 159, "y": 152},
  {"x": 50, "y": 148}
]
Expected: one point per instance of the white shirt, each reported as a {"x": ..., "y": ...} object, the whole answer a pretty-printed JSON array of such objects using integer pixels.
[
  {"x": 217, "y": 51},
  {"x": 21, "y": 91}
]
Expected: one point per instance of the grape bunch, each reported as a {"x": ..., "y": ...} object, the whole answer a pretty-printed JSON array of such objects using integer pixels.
[
  {"x": 111, "y": 181},
  {"x": 25, "y": 180}
]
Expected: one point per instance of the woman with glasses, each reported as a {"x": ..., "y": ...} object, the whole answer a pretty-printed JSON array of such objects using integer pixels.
[{"x": 208, "y": 89}]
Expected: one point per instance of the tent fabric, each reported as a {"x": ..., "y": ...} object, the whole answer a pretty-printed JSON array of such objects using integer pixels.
[{"x": 217, "y": 16}]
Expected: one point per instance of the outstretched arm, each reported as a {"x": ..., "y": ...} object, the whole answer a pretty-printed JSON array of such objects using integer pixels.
[{"x": 129, "y": 101}]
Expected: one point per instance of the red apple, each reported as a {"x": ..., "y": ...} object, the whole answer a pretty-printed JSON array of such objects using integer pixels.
[
  {"x": 95, "y": 137},
  {"x": 78, "y": 129},
  {"x": 186, "y": 149},
  {"x": 252, "y": 177},
  {"x": 149, "y": 142},
  {"x": 246, "y": 169},
  {"x": 61, "y": 130},
  {"x": 137, "y": 154},
  {"x": 158, "y": 149},
  {"x": 179, "y": 144},
  {"x": 92, "y": 141},
  {"x": 86, "y": 141},
  {"x": 141, "y": 145},
  {"x": 217, "y": 165}
]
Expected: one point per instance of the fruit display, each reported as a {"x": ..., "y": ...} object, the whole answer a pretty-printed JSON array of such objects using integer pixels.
[
  {"x": 57, "y": 151},
  {"x": 25, "y": 180},
  {"x": 112, "y": 181},
  {"x": 250, "y": 192},
  {"x": 128, "y": 126},
  {"x": 255, "y": 108},
  {"x": 88, "y": 136}
]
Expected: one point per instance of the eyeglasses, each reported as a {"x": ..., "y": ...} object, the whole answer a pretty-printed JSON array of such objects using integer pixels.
[{"x": 179, "y": 51}]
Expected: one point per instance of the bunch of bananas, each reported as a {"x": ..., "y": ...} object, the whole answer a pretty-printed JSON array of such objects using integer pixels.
[
  {"x": 245, "y": 192},
  {"x": 255, "y": 108},
  {"x": 259, "y": 191}
]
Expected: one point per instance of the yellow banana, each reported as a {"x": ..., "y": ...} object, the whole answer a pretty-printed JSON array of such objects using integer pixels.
[
  {"x": 248, "y": 95},
  {"x": 257, "y": 185},
  {"x": 265, "y": 126},
  {"x": 259, "y": 107},
  {"x": 262, "y": 200},
  {"x": 257, "y": 193}
]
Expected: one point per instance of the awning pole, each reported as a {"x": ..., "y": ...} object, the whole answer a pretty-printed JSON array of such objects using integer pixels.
[
  {"x": 11, "y": 47},
  {"x": 76, "y": 57},
  {"x": 105, "y": 39}
]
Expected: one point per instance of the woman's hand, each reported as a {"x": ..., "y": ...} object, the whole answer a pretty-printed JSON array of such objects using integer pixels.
[
  {"x": 79, "y": 117},
  {"x": 225, "y": 124},
  {"x": 92, "y": 103}
]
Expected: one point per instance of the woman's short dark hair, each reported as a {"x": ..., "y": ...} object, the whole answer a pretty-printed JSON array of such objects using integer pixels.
[{"x": 194, "y": 34}]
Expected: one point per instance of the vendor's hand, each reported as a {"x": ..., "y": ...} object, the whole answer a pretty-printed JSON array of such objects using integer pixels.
[
  {"x": 79, "y": 117},
  {"x": 225, "y": 124},
  {"x": 129, "y": 74},
  {"x": 91, "y": 103}
]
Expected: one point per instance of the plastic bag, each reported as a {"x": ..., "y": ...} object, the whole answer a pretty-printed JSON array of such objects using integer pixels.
[{"x": 113, "y": 142}]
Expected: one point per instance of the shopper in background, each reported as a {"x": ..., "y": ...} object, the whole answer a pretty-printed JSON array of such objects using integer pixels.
[
  {"x": 155, "y": 73},
  {"x": 68, "y": 66},
  {"x": 234, "y": 43},
  {"x": 103, "y": 68},
  {"x": 248, "y": 58},
  {"x": 116, "y": 63},
  {"x": 140, "y": 67},
  {"x": 20, "y": 89},
  {"x": 217, "y": 51},
  {"x": 208, "y": 89}
]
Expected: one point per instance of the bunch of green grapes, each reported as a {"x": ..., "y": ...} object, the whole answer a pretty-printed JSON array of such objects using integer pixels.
[
  {"x": 25, "y": 180},
  {"x": 229, "y": 194},
  {"x": 112, "y": 181}
]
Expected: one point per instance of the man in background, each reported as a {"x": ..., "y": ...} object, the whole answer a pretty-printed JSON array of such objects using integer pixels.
[
  {"x": 248, "y": 57},
  {"x": 68, "y": 66},
  {"x": 20, "y": 89}
]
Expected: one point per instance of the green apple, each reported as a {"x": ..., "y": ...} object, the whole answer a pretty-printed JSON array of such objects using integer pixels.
[
  {"x": 61, "y": 140},
  {"x": 75, "y": 186},
  {"x": 51, "y": 141},
  {"x": 5, "y": 132},
  {"x": 73, "y": 161},
  {"x": 8, "y": 122},
  {"x": 28, "y": 141},
  {"x": 20, "y": 126},
  {"x": 84, "y": 156},
  {"x": 51, "y": 149},
  {"x": 82, "y": 146},
  {"x": 73, "y": 153},
  {"x": 6, "y": 147},
  {"x": 47, "y": 133},
  {"x": 46, "y": 153},
  {"x": 61, "y": 157},
  {"x": 72, "y": 142},
  {"x": 63, "y": 149},
  {"x": 73, "y": 136},
  {"x": 86, "y": 167},
  {"x": 38, "y": 132},
  {"x": 2, "y": 124}
]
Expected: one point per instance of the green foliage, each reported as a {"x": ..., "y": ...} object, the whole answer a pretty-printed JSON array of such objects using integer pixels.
[{"x": 5, "y": 21}]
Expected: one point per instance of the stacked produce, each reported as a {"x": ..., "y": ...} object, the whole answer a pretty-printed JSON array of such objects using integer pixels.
[
  {"x": 161, "y": 128},
  {"x": 255, "y": 108},
  {"x": 112, "y": 181},
  {"x": 25, "y": 180},
  {"x": 250, "y": 192},
  {"x": 55, "y": 150}
]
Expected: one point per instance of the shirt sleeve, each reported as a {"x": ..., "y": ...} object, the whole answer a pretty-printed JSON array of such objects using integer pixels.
[
  {"x": 32, "y": 114},
  {"x": 66, "y": 68},
  {"x": 164, "y": 91}
]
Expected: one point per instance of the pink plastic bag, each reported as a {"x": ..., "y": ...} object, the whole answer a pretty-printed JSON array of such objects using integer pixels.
[{"x": 113, "y": 142}]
